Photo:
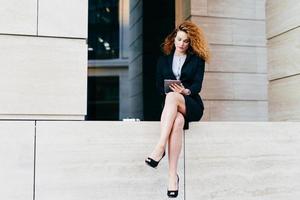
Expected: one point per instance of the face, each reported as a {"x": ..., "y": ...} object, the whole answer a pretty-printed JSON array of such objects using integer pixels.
[{"x": 182, "y": 42}]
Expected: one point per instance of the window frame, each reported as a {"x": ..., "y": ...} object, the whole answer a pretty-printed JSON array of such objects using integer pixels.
[{"x": 123, "y": 43}]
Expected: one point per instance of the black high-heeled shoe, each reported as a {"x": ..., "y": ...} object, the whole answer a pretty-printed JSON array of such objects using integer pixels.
[
  {"x": 174, "y": 193},
  {"x": 153, "y": 163}
]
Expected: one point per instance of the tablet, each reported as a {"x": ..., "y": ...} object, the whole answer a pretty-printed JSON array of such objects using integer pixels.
[{"x": 168, "y": 82}]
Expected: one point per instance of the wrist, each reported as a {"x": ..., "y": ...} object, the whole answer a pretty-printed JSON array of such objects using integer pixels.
[{"x": 187, "y": 91}]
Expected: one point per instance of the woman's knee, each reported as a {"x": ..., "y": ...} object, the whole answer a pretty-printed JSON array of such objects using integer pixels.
[
  {"x": 179, "y": 121},
  {"x": 173, "y": 97}
]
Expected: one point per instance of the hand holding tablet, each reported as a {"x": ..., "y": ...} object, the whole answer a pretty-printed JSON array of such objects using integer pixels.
[{"x": 169, "y": 82}]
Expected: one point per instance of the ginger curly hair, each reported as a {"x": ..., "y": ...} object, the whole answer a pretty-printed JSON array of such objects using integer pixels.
[{"x": 198, "y": 43}]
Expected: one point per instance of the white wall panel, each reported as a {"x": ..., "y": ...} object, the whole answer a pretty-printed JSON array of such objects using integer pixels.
[
  {"x": 68, "y": 18},
  {"x": 282, "y": 16},
  {"x": 42, "y": 76},
  {"x": 16, "y": 160},
  {"x": 234, "y": 86},
  {"x": 232, "y": 31},
  {"x": 228, "y": 58},
  {"x": 235, "y": 110},
  {"x": 283, "y": 55},
  {"x": 243, "y": 9},
  {"x": 18, "y": 17}
]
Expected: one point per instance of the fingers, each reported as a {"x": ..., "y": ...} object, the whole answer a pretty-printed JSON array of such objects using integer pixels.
[{"x": 177, "y": 88}]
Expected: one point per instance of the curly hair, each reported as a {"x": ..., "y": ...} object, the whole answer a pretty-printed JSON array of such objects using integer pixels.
[{"x": 198, "y": 43}]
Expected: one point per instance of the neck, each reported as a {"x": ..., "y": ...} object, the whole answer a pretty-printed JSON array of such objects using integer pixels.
[{"x": 180, "y": 53}]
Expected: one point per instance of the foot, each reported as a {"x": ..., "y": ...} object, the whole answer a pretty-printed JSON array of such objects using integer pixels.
[
  {"x": 157, "y": 153},
  {"x": 173, "y": 182},
  {"x": 173, "y": 186}
]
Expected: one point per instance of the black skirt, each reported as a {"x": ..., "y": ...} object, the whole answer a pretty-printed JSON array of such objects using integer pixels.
[{"x": 194, "y": 110}]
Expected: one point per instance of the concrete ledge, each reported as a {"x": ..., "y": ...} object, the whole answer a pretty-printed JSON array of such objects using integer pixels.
[
  {"x": 98, "y": 160},
  {"x": 105, "y": 160},
  {"x": 231, "y": 160}
]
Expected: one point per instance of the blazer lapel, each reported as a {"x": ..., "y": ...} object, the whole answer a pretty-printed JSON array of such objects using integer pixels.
[
  {"x": 183, "y": 69},
  {"x": 188, "y": 57},
  {"x": 170, "y": 63}
]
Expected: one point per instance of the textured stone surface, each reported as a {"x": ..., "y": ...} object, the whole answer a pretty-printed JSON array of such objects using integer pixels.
[
  {"x": 243, "y": 9},
  {"x": 42, "y": 77},
  {"x": 68, "y": 18},
  {"x": 284, "y": 99},
  {"x": 283, "y": 55},
  {"x": 244, "y": 59},
  {"x": 99, "y": 160},
  {"x": 234, "y": 86},
  {"x": 232, "y": 31},
  {"x": 18, "y": 17},
  {"x": 218, "y": 110},
  {"x": 16, "y": 160},
  {"x": 243, "y": 161},
  {"x": 281, "y": 16}
]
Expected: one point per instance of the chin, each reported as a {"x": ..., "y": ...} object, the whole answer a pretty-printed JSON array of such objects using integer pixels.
[{"x": 181, "y": 50}]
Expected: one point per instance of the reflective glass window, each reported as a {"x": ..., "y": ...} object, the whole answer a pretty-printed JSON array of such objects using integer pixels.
[
  {"x": 103, "y": 29},
  {"x": 103, "y": 98}
]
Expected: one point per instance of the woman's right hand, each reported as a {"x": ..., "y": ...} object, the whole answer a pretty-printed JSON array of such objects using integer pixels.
[{"x": 180, "y": 89}]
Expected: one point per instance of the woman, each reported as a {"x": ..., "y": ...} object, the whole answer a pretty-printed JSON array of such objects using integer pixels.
[{"x": 186, "y": 51}]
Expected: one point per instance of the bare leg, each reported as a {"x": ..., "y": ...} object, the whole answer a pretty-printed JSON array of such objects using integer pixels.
[
  {"x": 174, "y": 103},
  {"x": 174, "y": 149}
]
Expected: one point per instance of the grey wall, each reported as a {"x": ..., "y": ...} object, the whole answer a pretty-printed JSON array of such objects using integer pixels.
[{"x": 135, "y": 72}]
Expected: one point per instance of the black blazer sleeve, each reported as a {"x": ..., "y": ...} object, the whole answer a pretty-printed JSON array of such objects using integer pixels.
[{"x": 196, "y": 86}]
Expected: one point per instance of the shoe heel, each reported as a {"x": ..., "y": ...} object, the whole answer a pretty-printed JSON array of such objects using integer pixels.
[{"x": 153, "y": 163}]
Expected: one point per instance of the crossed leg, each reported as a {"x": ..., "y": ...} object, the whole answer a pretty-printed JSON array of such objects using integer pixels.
[{"x": 171, "y": 126}]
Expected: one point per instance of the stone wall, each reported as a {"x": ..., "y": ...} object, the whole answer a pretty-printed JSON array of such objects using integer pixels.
[
  {"x": 283, "y": 31},
  {"x": 43, "y": 58}
]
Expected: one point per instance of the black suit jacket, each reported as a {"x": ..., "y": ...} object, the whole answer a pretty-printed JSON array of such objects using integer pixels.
[{"x": 192, "y": 74}]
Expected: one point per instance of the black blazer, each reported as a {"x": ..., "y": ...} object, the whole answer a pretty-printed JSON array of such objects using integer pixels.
[{"x": 192, "y": 73}]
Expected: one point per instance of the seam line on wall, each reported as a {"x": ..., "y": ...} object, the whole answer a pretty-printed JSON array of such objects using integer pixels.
[
  {"x": 224, "y": 17},
  {"x": 236, "y": 100},
  {"x": 184, "y": 174},
  {"x": 37, "y": 18},
  {"x": 289, "y": 76},
  {"x": 283, "y": 32},
  {"x": 238, "y": 45},
  {"x": 34, "y": 160},
  {"x": 233, "y": 72},
  {"x": 43, "y": 36}
]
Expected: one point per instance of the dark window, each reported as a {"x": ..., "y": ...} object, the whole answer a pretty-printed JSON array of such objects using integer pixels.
[
  {"x": 103, "y": 98},
  {"x": 103, "y": 30}
]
